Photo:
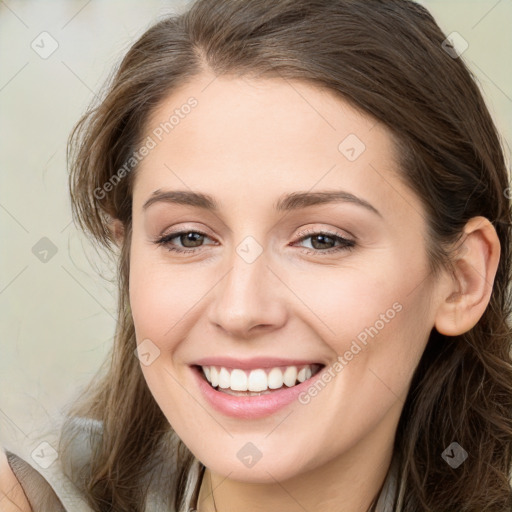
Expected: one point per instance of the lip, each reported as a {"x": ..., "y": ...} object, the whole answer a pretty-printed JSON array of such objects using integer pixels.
[
  {"x": 253, "y": 363},
  {"x": 250, "y": 407}
]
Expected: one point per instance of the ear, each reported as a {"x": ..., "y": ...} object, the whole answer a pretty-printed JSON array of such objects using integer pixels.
[
  {"x": 467, "y": 296},
  {"x": 117, "y": 230}
]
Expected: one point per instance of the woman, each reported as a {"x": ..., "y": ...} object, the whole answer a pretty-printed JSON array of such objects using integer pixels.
[{"x": 310, "y": 205}]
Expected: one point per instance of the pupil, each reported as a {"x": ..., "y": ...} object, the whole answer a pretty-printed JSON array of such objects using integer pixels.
[
  {"x": 322, "y": 238},
  {"x": 191, "y": 237}
]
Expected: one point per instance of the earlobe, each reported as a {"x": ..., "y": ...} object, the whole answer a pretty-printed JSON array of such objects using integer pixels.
[{"x": 470, "y": 289}]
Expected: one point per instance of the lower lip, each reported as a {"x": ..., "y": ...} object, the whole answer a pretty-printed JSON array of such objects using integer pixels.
[{"x": 250, "y": 407}]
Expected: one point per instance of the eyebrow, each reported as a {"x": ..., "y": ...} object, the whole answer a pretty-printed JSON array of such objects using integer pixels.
[{"x": 287, "y": 202}]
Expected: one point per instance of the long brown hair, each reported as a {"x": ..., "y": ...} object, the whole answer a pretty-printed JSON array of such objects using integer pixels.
[{"x": 386, "y": 58}]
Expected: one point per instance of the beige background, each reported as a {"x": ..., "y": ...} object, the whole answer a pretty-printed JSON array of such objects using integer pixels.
[{"x": 57, "y": 317}]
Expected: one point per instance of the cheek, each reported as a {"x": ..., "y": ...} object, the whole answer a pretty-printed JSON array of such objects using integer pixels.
[
  {"x": 353, "y": 303},
  {"x": 161, "y": 295},
  {"x": 160, "y": 304},
  {"x": 378, "y": 334},
  {"x": 377, "y": 319}
]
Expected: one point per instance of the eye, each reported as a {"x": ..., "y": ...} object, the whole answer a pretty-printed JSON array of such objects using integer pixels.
[
  {"x": 321, "y": 239},
  {"x": 189, "y": 239}
]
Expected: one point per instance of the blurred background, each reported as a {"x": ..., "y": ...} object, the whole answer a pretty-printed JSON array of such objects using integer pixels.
[{"x": 57, "y": 314}]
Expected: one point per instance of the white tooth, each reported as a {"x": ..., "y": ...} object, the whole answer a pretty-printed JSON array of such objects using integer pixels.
[
  {"x": 224, "y": 378},
  {"x": 275, "y": 378},
  {"x": 214, "y": 375},
  {"x": 257, "y": 380},
  {"x": 238, "y": 380},
  {"x": 290, "y": 376}
]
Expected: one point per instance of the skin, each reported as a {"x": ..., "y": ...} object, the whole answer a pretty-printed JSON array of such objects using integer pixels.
[{"x": 246, "y": 143}]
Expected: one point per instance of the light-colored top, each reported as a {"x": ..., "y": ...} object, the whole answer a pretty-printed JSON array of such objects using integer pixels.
[{"x": 46, "y": 482}]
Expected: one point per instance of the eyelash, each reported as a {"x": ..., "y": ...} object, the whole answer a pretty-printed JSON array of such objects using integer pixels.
[{"x": 347, "y": 245}]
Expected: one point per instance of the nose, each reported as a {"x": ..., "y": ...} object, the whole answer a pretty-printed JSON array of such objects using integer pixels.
[{"x": 249, "y": 299}]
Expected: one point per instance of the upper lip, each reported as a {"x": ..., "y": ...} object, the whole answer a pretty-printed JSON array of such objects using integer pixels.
[{"x": 253, "y": 363}]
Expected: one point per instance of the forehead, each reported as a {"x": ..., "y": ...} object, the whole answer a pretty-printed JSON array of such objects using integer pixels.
[{"x": 253, "y": 140}]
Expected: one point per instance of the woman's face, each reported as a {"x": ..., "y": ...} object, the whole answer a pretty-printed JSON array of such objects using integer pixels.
[{"x": 276, "y": 282}]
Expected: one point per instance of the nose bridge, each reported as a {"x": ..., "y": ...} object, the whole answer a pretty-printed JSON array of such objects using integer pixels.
[{"x": 248, "y": 296}]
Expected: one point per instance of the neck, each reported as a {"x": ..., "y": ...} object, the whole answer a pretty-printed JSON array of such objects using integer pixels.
[{"x": 351, "y": 481}]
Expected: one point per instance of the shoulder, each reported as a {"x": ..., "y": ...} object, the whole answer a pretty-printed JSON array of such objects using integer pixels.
[
  {"x": 12, "y": 497},
  {"x": 36, "y": 476}
]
